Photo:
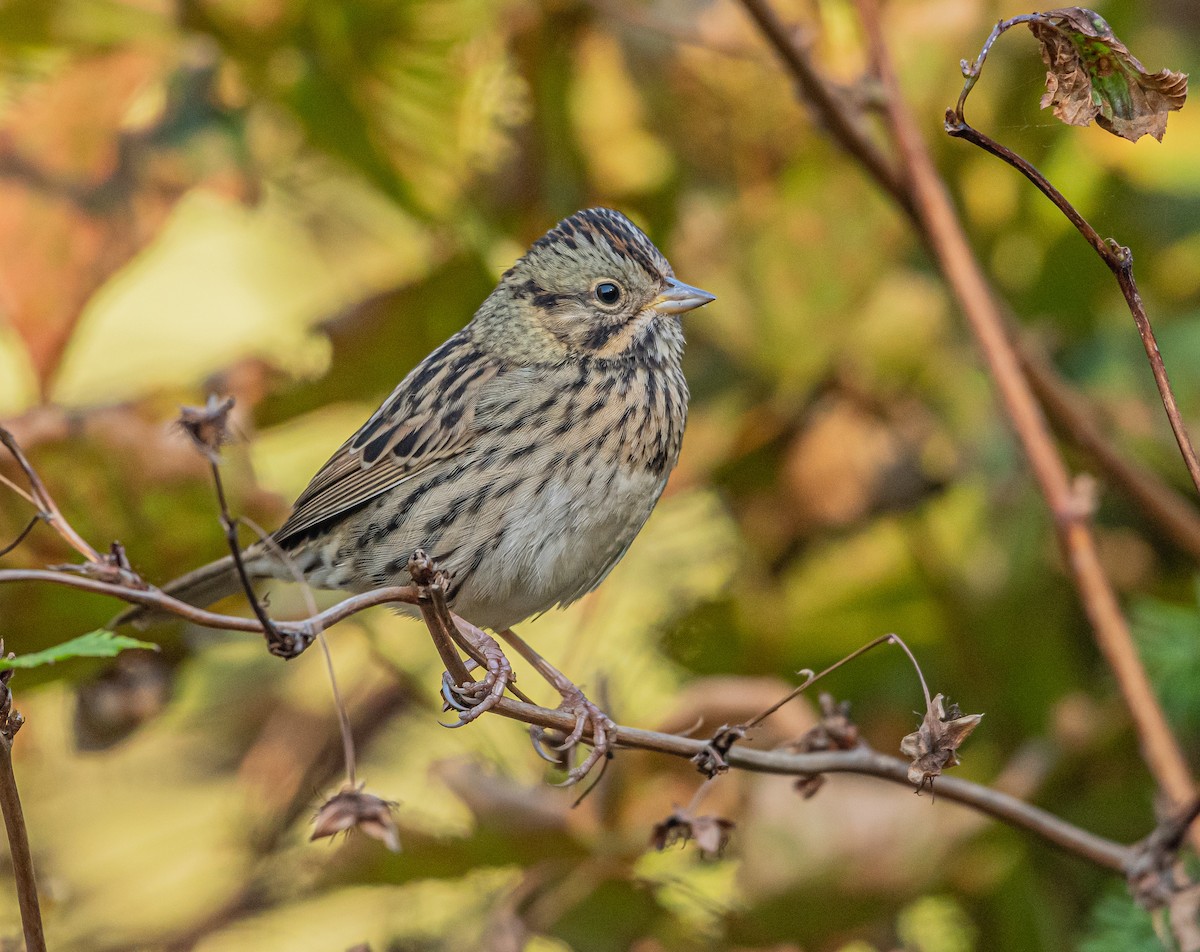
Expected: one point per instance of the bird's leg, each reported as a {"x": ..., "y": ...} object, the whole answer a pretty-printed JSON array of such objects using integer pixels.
[
  {"x": 473, "y": 698},
  {"x": 466, "y": 695},
  {"x": 592, "y": 725}
]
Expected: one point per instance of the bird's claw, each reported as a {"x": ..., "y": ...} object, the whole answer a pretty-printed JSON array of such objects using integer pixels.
[
  {"x": 475, "y": 698},
  {"x": 590, "y": 723}
]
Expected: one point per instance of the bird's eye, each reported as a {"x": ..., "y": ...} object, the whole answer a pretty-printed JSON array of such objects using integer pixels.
[{"x": 608, "y": 293}]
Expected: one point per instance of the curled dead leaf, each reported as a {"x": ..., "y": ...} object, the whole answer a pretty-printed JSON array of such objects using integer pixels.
[
  {"x": 933, "y": 747},
  {"x": 1092, "y": 75}
]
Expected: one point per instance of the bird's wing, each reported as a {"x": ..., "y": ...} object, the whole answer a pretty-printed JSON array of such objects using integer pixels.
[{"x": 427, "y": 418}]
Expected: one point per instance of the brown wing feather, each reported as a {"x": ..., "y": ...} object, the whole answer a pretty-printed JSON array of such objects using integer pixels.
[{"x": 427, "y": 418}]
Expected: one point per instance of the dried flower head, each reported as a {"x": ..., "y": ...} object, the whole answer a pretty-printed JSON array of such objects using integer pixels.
[
  {"x": 933, "y": 747},
  {"x": 711, "y": 833},
  {"x": 353, "y": 808},
  {"x": 208, "y": 426}
]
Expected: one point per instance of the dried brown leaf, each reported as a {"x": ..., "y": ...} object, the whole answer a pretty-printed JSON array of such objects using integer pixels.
[
  {"x": 933, "y": 747},
  {"x": 1092, "y": 75}
]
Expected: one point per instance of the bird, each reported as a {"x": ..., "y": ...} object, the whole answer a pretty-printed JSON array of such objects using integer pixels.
[{"x": 523, "y": 455}]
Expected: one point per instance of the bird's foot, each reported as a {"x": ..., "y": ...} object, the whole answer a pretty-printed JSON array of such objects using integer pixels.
[
  {"x": 476, "y": 697},
  {"x": 592, "y": 727}
]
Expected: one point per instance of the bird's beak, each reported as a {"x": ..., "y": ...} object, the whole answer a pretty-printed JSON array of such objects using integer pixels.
[{"x": 679, "y": 298}]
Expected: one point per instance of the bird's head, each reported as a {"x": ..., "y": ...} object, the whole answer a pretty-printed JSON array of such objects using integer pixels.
[{"x": 594, "y": 286}]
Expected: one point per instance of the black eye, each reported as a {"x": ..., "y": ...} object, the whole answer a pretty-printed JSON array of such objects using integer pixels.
[{"x": 608, "y": 293}]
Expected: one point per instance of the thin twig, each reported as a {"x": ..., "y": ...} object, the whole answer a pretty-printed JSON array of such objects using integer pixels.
[
  {"x": 34, "y": 520},
  {"x": 304, "y": 629},
  {"x": 4, "y": 480},
  {"x": 45, "y": 502},
  {"x": 861, "y": 760},
  {"x": 831, "y": 110},
  {"x": 1074, "y": 421},
  {"x": 277, "y": 643},
  {"x": 897, "y": 640},
  {"x": 349, "y": 757},
  {"x": 14, "y": 824},
  {"x": 812, "y": 679},
  {"x": 957, "y": 262},
  {"x": 1117, "y": 257}
]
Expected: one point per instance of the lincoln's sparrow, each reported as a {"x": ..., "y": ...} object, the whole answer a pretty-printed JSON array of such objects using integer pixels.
[{"x": 523, "y": 455}]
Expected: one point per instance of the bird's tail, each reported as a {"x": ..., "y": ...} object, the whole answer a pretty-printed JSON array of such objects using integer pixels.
[{"x": 201, "y": 587}]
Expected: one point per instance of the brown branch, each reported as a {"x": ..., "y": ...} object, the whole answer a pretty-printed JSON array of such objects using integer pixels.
[
  {"x": 1001, "y": 806},
  {"x": 156, "y": 599},
  {"x": 1118, "y": 258},
  {"x": 22, "y": 856},
  {"x": 14, "y": 824},
  {"x": 47, "y": 508},
  {"x": 830, "y": 108},
  {"x": 954, "y": 257},
  {"x": 1165, "y": 508}
]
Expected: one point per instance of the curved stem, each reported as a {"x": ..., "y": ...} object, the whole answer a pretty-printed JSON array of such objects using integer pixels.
[
  {"x": 154, "y": 598},
  {"x": 862, "y": 760},
  {"x": 1119, "y": 260}
]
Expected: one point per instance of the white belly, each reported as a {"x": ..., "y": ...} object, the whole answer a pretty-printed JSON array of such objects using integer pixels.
[{"x": 557, "y": 547}]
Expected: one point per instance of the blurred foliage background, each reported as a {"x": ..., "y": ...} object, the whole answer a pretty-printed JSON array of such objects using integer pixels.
[{"x": 293, "y": 201}]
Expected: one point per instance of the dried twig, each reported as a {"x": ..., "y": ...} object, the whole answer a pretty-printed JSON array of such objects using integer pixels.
[
  {"x": 1074, "y": 421},
  {"x": 349, "y": 756},
  {"x": 21, "y": 536},
  {"x": 47, "y": 508},
  {"x": 1117, "y": 257},
  {"x": 14, "y": 822},
  {"x": 864, "y": 761},
  {"x": 1003, "y": 807}
]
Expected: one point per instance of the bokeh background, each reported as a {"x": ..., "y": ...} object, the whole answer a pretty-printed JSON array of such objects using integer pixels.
[{"x": 292, "y": 201}]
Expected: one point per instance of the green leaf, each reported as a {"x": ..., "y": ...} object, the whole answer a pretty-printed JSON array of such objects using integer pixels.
[
  {"x": 95, "y": 644},
  {"x": 1168, "y": 637},
  {"x": 1120, "y": 925}
]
